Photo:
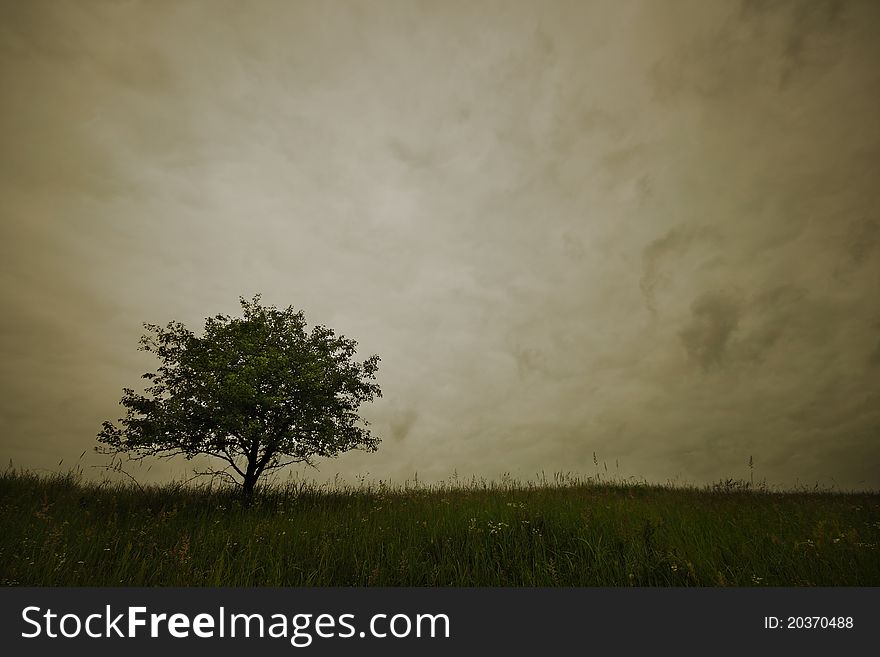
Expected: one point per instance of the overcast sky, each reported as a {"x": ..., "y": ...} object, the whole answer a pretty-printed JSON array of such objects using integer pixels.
[{"x": 649, "y": 230}]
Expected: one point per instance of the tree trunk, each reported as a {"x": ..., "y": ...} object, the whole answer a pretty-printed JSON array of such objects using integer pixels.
[{"x": 249, "y": 482}]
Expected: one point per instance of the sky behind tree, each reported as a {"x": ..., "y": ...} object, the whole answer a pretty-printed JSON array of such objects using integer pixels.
[{"x": 644, "y": 230}]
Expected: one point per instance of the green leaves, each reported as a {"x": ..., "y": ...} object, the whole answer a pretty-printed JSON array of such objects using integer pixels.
[{"x": 257, "y": 391}]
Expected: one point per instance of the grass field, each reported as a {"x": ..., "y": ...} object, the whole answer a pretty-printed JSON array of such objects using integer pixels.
[{"x": 58, "y": 530}]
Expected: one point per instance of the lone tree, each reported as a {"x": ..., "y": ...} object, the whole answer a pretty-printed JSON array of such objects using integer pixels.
[{"x": 258, "y": 392}]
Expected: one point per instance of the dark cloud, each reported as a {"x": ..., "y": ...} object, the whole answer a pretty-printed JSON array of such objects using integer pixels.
[
  {"x": 862, "y": 239},
  {"x": 714, "y": 319},
  {"x": 401, "y": 423},
  {"x": 809, "y": 29},
  {"x": 874, "y": 358},
  {"x": 529, "y": 360},
  {"x": 410, "y": 155},
  {"x": 764, "y": 45},
  {"x": 661, "y": 254},
  {"x": 773, "y": 313}
]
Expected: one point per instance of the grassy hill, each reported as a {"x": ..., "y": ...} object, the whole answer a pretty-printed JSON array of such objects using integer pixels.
[{"x": 58, "y": 530}]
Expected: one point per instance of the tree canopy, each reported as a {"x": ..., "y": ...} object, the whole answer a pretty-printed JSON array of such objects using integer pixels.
[{"x": 259, "y": 392}]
